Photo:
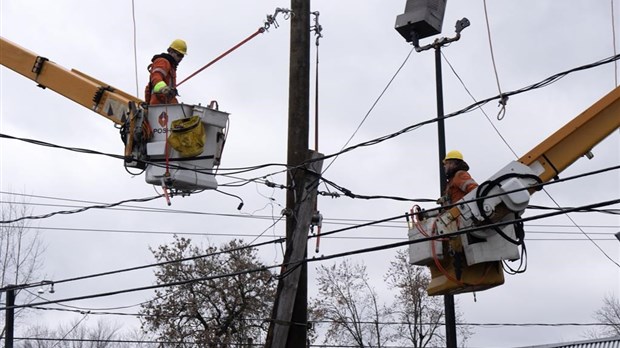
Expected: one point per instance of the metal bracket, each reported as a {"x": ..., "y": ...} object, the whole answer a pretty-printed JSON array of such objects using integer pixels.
[{"x": 37, "y": 67}]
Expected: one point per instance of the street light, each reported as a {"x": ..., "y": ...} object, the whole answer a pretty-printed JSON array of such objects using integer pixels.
[{"x": 422, "y": 18}]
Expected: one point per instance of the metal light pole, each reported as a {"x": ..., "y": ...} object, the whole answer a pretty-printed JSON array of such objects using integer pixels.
[
  {"x": 423, "y": 18},
  {"x": 10, "y": 316}
]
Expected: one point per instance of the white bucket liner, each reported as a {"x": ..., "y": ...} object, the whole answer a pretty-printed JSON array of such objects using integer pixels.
[{"x": 191, "y": 173}]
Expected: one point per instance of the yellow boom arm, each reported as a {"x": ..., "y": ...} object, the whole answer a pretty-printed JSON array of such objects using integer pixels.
[
  {"x": 576, "y": 138},
  {"x": 101, "y": 98}
]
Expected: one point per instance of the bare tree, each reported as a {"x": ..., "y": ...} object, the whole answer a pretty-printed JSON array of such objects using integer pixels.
[
  {"x": 77, "y": 334},
  {"x": 350, "y": 305},
  {"x": 20, "y": 250},
  {"x": 218, "y": 311},
  {"x": 609, "y": 315},
  {"x": 420, "y": 316}
]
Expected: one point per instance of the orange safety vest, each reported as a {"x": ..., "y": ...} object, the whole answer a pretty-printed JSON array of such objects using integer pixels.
[
  {"x": 162, "y": 68},
  {"x": 460, "y": 185}
]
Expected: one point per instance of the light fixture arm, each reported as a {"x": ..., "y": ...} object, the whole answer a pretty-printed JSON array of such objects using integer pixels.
[{"x": 460, "y": 25}]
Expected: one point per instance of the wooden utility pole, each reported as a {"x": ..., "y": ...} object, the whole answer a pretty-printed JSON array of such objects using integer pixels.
[
  {"x": 292, "y": 295},
  {"x": 298, "y": 133},
  {"x": 285, "y": 330}
]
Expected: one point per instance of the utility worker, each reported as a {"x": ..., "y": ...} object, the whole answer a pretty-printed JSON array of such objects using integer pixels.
[
  {"x": 161, "y": 88},
  {"x": 460, "y": 182}
]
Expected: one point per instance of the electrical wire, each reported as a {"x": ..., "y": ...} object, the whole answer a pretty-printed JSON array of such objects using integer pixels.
[
  {"x": 371, "y": 108},
  {"x": 148, "y": 287},
  {"x": 136, "y": 208},
  {"x": 158, "y": 264},
  {"x": 503, "y": 100},
  {"x": 536, "y": 186},
  {"x": 315, "y": 259},
  {"x": 108, "y": 341},
  {"x": 582, "y": 231},
  {"x": 543, "y": 83},
  {"x": 333, "y": 221},
  {"x": 67, "y": 212},
  {"x": 152, "y": 163},
  {"x": 191, "y": 344},
  {"x": 398, "y": 226},
  {"x": 613, "y": 37},
  {"x": 91, "y": 310},
  {"x": 71, "y": 330},
  {"x": 481, "y": 109},
  {"x": 135, "y": 44},
  {"x": 350, "y": 194},
  {"x": 603, "y": 211},
  {"x": 457, "y": 233},
  {"x": 505, "y": 142},
  {"x": 540, "y": 84},
  {"x": 334, "y": 321}
]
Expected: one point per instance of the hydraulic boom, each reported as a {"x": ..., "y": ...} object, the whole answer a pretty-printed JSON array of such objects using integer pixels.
[
  {"x": 177, "y": 144},
  {"x": 472, "y": 261}
]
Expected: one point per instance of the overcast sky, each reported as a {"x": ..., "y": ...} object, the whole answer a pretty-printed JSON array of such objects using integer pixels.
[{"x": 566, "y": 280}]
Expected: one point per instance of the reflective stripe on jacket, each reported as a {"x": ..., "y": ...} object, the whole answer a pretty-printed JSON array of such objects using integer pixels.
[{"x": 460, "y": 185}]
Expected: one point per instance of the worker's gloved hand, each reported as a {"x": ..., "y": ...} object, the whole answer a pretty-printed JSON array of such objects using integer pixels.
[
  {"x": 169, "y": 92},
  {"x": 442, "y": 200}
]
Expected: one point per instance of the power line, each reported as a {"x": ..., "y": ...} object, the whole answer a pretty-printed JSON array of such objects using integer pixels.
[
  {"x": 613, "y": 37},
  {"x": 149, "y": 287},
  {"x": 583, "y": 232},
  {"x": 540, "y": 84},
  {"x": 191, "y": 233},
  {"x": 135, "y": 45},
  {"x": 372, "y": 107},
  {"x": 376, "y": 221},
  {"x": 475, "y": 101},
  {"x": 503, "y": 100},
  {"x": 453, "y": 234},
  {"x": 121, "y": 157},
  {"x": 71, "y": 330},
  {"x": 326, "y": 220},
  {"x": 314, "y": 259},
  {"x": 67, "y": 212},
  {"x": 109, "y": 341},
  {"x": 535, "y": 186},
  {"x": 503, "y": 103},
  {"x": 336, "y": 221},
  {"x": 136, "y": 208},
  {"x": 386, "y": 323},
  {"x": 224, "y": 251},
  {"x": 326, "y": 321},
  {"x": 350, "y": 194}
]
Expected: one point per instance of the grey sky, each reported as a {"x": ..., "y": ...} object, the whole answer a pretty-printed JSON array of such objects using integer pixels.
[{"x": 565, "y": 281}]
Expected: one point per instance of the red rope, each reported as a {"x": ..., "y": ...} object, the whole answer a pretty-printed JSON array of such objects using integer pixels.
[{"x": 259, "y": 31}]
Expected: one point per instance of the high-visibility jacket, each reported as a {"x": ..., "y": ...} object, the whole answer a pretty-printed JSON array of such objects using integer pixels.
[
  {"x": 461, "y": 184},
  {"x": 163, "y": 72}
]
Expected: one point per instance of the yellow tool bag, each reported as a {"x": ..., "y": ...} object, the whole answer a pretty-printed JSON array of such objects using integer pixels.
[{"x": 188, "y": 136}]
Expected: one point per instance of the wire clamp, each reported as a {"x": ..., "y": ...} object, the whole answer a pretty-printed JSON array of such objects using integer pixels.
[
  {"x": 271, "y": 19},
  {"x": 503, "y": 101}
]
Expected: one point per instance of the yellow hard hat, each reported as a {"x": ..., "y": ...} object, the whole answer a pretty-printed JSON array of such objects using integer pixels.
[
  {"x": 454, "y": 154},
  {"x": 179, "y": 46}
]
